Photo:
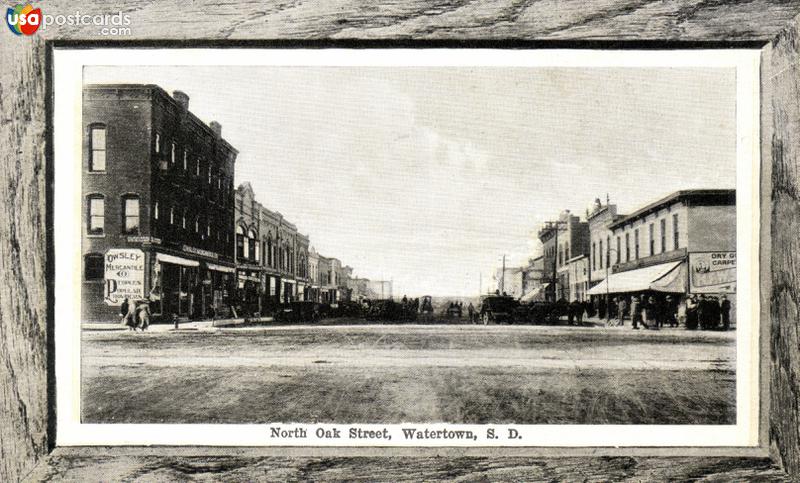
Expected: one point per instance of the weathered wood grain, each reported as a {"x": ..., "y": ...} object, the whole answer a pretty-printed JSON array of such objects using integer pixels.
[
  {"x": 23, "y": 304},
  {"x": 688, "y": 20},
  {"x": 23, "y": 301},
  {"x": 86, "y": 468},
  {"x": 783, "y": 78}
]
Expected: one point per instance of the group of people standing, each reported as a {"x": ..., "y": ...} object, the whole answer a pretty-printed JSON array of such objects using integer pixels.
[{"x": 653, "y": 312}]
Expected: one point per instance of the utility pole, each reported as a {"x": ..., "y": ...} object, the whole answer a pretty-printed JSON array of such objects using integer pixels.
[{"x": 503, "y": 276}]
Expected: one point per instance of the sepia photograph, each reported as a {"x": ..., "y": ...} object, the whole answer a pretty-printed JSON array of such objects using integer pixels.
[{"x": 411, "y": 245}]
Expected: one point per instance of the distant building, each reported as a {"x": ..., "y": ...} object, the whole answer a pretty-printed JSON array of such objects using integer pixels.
[
  {"x": 313, "y": 292},
  {"x": 511, "y": 281},
  {"x": 578, "y": 278},
  {"x": 605, "y": 247},
  {"x": 561, "y": 240},
  {"x": 158, "y": 192}
]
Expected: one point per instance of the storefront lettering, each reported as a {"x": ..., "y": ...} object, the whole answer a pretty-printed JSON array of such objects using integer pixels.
[{"x": 124, "y": 275}]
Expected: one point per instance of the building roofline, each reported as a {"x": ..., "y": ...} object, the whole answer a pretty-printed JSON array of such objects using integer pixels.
[
  {"x": 723, "y": 196},
  {"x": 160, "y": 90}
]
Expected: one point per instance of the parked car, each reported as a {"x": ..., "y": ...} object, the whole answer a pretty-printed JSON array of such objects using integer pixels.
[
  {"x": 298, "y": 312},
  {"x": 498, "y": 308}
]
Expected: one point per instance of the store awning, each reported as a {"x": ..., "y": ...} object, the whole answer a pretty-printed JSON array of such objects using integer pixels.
[
  {"x": 657, "y": 277},
  {"x": 537, "y": 293},
  {"x": 164, "y": 258},
  {"x": 220, "y": 268}
]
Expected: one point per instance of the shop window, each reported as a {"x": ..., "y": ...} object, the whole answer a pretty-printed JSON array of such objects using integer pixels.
[
  {"x": 93, "y": 266},
  {"x": 96, "y": 219},
  {"x": 97, "y": 140},
  {"x": 130, "y": 214}
]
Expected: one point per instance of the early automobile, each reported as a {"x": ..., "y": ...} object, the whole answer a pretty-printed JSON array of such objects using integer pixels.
[{"x": 498, "y": 308}]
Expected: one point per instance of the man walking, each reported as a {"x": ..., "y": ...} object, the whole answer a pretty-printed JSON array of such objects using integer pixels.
[{"x": 622, "y": 304}]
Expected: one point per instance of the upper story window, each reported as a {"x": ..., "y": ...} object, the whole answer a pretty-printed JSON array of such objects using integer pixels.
[
  {"x": 93, "y": 266},
  {"x": 601, "y": 253},
  {"x": 171, "y": 215},
  {"x": 210, "y": 168},
  {"x": 675, "y": 231},
  {"x": 96, "y": 218},
  {"x": 158, "y": 143},
  {"x": 172, "y": 153},
  {"x": 183, "y": 219},
  {"x": 652, "y": 239},
  {"x": 130, "y": 214},
  {"x": 97, "y": 141},
  {"x": 240, "y": 241},
  {"x": 155, "y": 210},
  {"x": 251, "y": 247},
  {"x": 608, "y": 251},
  {"x": 627, "y": 247},
  {"x": 636, "y": 243},
  {"x": 619, "y": 249},
  {"x": 197, "y": 167},
  {"x": 663, "y": 235},
  {"x": 185, "y": 159}
]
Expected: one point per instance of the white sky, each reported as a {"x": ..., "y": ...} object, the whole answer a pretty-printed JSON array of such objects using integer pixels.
[{"x": 426, "y": 176}]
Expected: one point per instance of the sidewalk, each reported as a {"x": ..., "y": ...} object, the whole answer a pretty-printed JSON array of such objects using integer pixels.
[{"x": 183, "y": 326}]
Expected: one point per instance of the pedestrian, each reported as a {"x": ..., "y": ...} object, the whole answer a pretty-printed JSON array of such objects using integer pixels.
[
  {"x": 669, "y": 311},
  {"x": 702, "y": 313},
  {"x": 622, "y": 305},
  {"x": 579, "y": 307},
  {"x": 129, "y": 319},
  {"x": 636, "y": 312},
  {"x": 692, "y": 317},
  {"x": 123, "y": 310},
  {"x": 471, "y": 312},
  {"x": 725, "y": 309},
  {"x": 143, "y": 315},
  {"x": 681, "y": 319},
  {"x": 650, "y": 314},
  {"x": 715, "y": 311}
]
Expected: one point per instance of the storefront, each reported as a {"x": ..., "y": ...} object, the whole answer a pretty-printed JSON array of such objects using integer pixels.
[
  {"x": 217, "y": 288},
  {"x": 175, "y": 282},
  {"x": 249, "y": 289}
]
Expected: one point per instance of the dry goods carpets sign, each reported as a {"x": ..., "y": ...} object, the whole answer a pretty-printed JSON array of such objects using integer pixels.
[
  {"x": 712, "y": 272},
  {"x": 124, "y": 275}
]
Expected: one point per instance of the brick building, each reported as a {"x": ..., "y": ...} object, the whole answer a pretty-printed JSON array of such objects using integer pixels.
[
  {"x": 157, "y": 190},
  {"x": 561, "y": 240},
  {"x": 683, "y": 243}
]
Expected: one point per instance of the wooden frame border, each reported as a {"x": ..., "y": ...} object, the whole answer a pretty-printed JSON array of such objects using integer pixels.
[{"x": 26, "y": 291}]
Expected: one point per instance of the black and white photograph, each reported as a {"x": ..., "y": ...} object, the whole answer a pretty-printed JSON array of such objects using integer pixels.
[{"x": 420, "y": 250}]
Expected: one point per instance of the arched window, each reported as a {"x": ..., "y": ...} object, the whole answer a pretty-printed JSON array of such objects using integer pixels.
[
  {"x": 97, "y": 147},
  {"x": 95, "y": 214},
  {"x": 240, "y": 241},
  {"x": 269, "y": 251},
  {"x": 130, "y": 214},
  {"x": 155, "y": 210},
  {"x": 93, "y": 266},
  {"x": 252, "y": 250},
  {"x": 171, "y": 215}
]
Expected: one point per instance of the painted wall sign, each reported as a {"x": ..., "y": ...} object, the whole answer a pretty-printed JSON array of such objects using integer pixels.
[{"x": 124, "y": 275}]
